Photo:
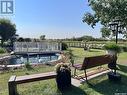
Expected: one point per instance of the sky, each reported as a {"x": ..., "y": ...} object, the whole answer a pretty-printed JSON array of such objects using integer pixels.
[{"x": 56, "y": 19}]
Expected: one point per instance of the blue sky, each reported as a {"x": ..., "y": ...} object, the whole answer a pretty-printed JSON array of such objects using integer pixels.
[{"x": 53, "y": 18}]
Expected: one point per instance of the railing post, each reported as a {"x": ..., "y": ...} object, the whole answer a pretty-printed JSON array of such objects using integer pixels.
[
  {"x": 60, "y": 46},
  {"x": 12, "y": 86},
  {"x": 27, "y": 46},
  {"x": 38, "y": 45}
]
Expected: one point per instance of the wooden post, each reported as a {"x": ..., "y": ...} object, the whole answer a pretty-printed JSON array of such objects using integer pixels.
[{"x": 12, "y": 86}]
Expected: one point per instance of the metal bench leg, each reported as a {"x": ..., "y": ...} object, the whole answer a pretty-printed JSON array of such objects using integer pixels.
[
  {"x": 75, "y": 72},
  {"x": 85, "y": 75}
]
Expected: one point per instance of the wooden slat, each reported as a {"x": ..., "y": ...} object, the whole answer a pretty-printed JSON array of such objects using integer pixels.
[
  {"x": 90, "y": 73},
  {"x": 35, "y": 77},
  {"x": 90, "y": 62},
  {"x": 94, "y": 61},
  {"x": 98, "y": 60}
]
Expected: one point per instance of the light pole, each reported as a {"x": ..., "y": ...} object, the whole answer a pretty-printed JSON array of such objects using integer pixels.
[{"x": 116, "y": 28}]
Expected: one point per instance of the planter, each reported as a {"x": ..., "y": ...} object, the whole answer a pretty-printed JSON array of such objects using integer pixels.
[
  {"x": 112, "y": 48},
  {"x": 63, "y": 78},
  {"x": 111, "y": 52},
  {"x": 114, "y": 76}
]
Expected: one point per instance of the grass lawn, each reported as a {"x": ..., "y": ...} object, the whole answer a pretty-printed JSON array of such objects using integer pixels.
[{"x": 100, "y": 85}]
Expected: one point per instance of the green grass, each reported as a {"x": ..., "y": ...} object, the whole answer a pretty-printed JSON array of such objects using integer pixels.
[
  {"x": 4, "y": 77},
  {"x": 122, "y": 58},
  {"x": 79, "y": 53},
  {"x": 101, "y": 85},
  {"x": 2, "y": 51}
]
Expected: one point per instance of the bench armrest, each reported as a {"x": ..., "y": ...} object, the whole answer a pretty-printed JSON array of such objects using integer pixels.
[
  {"x": 12, "y": 78},
  {"x": 12, "y": 86}
]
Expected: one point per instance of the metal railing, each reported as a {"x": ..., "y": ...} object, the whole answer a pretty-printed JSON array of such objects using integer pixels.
[{"x": 36, "y": 46}]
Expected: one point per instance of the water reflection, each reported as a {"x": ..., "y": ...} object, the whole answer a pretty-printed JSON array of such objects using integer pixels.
[{"x": 32, "y": 59}]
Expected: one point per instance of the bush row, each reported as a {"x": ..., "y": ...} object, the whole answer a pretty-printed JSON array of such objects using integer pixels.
[
  {"x": 123, "y": 48},
  {"x": 2, "y": 50}
]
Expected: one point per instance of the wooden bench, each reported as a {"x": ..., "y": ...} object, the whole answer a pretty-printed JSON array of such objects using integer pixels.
[
  {"x": 95, "y": 61},
  {"x": 13, "y": 81}
]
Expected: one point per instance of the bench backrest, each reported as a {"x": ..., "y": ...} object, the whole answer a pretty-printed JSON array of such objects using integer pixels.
[{"x": 90, "y": 62}]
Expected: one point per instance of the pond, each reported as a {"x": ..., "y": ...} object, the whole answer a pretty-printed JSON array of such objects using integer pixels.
[{"x": 33, "y": 58}]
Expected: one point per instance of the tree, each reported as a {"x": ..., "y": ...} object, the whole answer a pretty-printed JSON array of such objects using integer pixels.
[
  {"x": 27, "y": 39},
  {"x": 42, "y": 37},
  {"x": 7, "y": 30},
  {"x": 105, "y": 32},
  {"x": 87, "y": 38},
  {"x": 13, "y": 39},
  {"x": 20, "y": 39},
  {"x": 106, "y": 11},
  {"x": 125, "y": 36}
]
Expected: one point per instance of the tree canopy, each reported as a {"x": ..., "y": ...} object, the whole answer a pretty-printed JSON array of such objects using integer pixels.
[
  {"x": 105, "y": 32},
  {"x": 20, "y": 39},
  {"x": 106, "y": 11},
  {"x": 7, "y": 30},
  {"x": 42, "y": 37}
]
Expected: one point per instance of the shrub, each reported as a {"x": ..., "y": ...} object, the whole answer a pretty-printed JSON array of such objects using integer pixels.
[
  {"x": 28, "y": 66},
  {"x": 113, "y": 47},
  {"x": 63, "y": 78},
  {"x": 4, "y": 62},
  {"x": 2, "y": 50},
  {"x": 124, "y": 48},
  {"x": 64, "y": 46},
  {"x": 70, "y": 56}
]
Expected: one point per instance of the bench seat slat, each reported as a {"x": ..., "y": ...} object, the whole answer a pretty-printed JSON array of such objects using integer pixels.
[{"x": 34, "y": 77}]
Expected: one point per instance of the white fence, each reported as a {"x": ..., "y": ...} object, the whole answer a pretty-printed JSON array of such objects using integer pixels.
[{"x": 36, "y": 46}]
